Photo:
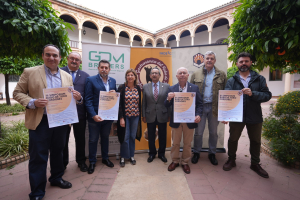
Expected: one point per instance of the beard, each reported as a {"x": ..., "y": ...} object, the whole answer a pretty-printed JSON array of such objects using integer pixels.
[
  {"x": 103, "y": 75},
  {"x": 244, "y": 68}
]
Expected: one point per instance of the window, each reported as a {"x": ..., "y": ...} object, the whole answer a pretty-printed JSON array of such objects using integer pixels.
[
  {"x": 13, "y": 78},
  {"x": 276, "y": 75}
]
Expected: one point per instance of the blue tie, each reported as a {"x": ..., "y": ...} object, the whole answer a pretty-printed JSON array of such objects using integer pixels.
[{"x": 73, "y": 76}]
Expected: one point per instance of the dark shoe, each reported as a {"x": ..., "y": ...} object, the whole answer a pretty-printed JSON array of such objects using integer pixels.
[
  {"x": 150, "y": 159},
  {"x": 35, "y": 198},
  {"x": 108, "y": 163},
  {"x": 229, "y": 165},
  {"x": 163, "y": 158},
  {"x": 186, "y": 168},
  {"x": 62, "y": 184},
  {"x": 91, "y": 168},
  {"x": 122, "y": 162},
  {"x": 83, "y": 167},
  {"x": 132, "y": 161},
  {"x": 259, "y": 170},
  {"x": 172, "y": 166},
  {"x": 213, "y": 159},
  {"x": 195, "y": 158}
]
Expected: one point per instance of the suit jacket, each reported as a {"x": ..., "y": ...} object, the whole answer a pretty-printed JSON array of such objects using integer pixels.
[
  {"x": 198, "y": 107},
  {"x": 79, "y": 85},
  {"x": 152, "y": 109},
  {"x": 93, "y": 86},
  {"x": 30, "y": 86}
]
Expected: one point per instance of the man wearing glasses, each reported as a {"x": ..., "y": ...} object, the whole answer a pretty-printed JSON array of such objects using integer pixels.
[
  {"x": 155, "y": 113},
  {"x": 79, "y": 77}
]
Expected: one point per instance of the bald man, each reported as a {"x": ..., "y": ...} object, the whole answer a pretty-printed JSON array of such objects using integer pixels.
[{"x": 79, "y": 77}]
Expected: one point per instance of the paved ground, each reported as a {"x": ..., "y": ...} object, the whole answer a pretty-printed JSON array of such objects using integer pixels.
[{"x": 153, "y": 181}]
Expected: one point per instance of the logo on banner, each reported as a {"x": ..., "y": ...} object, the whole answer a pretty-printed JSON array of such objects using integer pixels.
[
  {"x": 116, "y": 61},
  {"x": 144, "y": 67},
  {"x": 165, "y": 53},
  {"x": 198, "y": 59}
]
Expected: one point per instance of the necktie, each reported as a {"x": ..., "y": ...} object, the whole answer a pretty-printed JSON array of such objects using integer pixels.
[
  {"x": 155, "y": 91},
  {"x": 73, "y": 76}
]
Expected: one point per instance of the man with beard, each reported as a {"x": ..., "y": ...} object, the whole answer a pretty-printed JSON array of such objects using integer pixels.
[
  {"x": 79, "y": 77},
  {"x": 255, "y": 92},
  {"x": 98, "y": 126}
]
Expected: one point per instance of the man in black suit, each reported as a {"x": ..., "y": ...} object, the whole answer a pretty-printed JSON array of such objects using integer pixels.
[
  {"x": 183, "y": 129},
  {"x": 155, "y": 113},
  {"x": 79, "y": 77}
]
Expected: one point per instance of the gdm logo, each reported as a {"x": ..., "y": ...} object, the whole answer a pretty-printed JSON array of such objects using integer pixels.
[{"x": 114, "y": 62}]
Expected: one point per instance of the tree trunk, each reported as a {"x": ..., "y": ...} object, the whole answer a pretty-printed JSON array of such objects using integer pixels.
[{"x": 7, "y": 89}]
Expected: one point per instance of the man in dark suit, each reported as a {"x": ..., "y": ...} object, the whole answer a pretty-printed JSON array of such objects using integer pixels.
[
  {"x": 155, "y": 113},
  {"x": 98, "y": 126},
  {"x": 183, "y": 129},
  {"x": 79, "y": 77},
  {"x": 42, "y": 139}
]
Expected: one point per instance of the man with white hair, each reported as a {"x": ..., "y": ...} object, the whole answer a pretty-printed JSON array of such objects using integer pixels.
[
  {"x": 210, "y": 80},
  {"x": 183, "y": 129}
]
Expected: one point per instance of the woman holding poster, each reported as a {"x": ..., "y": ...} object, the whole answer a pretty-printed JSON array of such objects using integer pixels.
[{"x": 129, "y": 123}]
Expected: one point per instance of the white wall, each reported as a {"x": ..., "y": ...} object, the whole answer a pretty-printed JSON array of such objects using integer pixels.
[
  {"x": 276, "y": 87},
  {"x": 11, "y": 86}
]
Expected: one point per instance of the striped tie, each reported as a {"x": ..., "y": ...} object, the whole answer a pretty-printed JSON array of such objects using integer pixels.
[{"x": 155, "y": 92}]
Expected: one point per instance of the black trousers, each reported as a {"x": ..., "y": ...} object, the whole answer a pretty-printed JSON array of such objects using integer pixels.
[
  {"x": 254, "y": 133},
  {"x": 79, "y": 134},
  {"x": 162, "y": 138},
  {"x": 43, "y": 140}
]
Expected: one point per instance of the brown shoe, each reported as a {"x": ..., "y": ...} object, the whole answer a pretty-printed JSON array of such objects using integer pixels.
[
  {"x": 259, "y": 170},
  {"x": 229, "y": 165},
  {"x": 172, "y": 166},
  {"x": 186, "y": 168}
]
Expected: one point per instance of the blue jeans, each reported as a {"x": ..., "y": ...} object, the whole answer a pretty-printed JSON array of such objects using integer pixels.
[
  {"x": 212, "y": 127},
  {"x": 128, "y": 145},
  {"x": 96, "y": 129}
]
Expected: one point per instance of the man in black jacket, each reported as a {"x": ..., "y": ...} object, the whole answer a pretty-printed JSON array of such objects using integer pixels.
[
  {"x": 255, "y": 92},
  {"x": 79, "y": 77}
]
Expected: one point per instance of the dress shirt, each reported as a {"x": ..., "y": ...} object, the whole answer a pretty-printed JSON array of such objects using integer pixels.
[
  {"x": 208, "y": 92},
  {"x": 53, "y": 81},
  {"x": 245, "y": 81},
  {"x": 185, "y": 88},
  {"x": 154, "y": 87},
  {"x": 106, "y": 85}
]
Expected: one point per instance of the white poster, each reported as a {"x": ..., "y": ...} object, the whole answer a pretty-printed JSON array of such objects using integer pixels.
[{"x": 117, "y": 55}]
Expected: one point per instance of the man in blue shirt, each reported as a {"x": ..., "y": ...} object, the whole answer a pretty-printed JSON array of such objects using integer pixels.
[{"x": 98, "y": 126}]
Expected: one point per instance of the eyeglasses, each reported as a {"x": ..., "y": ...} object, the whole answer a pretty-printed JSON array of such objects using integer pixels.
[{"x": 74, "y": 59}]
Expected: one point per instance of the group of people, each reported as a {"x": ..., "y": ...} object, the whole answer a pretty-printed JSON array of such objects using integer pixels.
[{"x": 153, "y": 106}]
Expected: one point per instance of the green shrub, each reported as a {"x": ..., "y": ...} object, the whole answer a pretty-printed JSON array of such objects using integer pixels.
[
  {"x": 14, "y": 139},
  {"x": 288, "y": 103},
  {"x": 231, "y": 71},
  {"x": 283, "y": 132},
  {"x": 4, "y": 108}
]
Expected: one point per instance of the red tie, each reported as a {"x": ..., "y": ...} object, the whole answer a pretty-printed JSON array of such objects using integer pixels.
[{"x": 155, "y": 91}]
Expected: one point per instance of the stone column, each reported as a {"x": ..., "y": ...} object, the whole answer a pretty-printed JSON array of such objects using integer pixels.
[
  {"x": 165, "y": 45},
  {"x": 79, "y": 38},
  {"x": 177, "y": 43},
  {"x": 100, "y": 37},
  {"x": 287, "y": 83},
  {"x": 117, "y": 40},
  {"x": 130, "y": 43},
  {"x": 209, "y": 37},
  {"x": 192, "y": 40}
]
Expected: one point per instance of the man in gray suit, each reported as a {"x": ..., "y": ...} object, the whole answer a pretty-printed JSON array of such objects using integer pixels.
[{"x": 155, "y": 113}]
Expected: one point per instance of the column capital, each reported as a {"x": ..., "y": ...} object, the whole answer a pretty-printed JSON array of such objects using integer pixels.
[{"x": 79, "y": 28}]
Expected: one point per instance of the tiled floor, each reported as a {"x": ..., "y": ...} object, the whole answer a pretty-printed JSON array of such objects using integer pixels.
[{"x": 153, "y": 181}]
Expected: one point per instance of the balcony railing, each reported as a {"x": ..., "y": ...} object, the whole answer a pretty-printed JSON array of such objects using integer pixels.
[{"x": 74, "y": 44}]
